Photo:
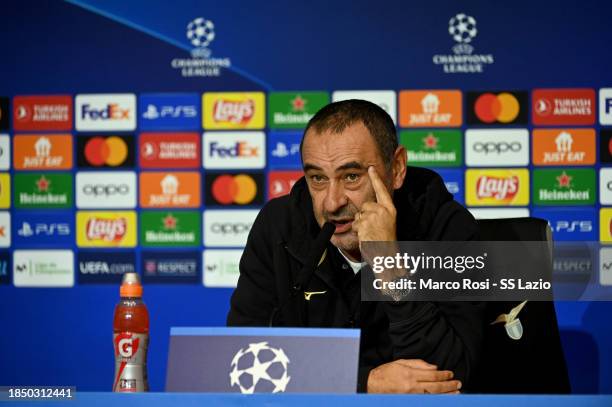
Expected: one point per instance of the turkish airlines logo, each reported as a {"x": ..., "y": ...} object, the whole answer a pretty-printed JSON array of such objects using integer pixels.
[
  {"x": 43, "y": 152},
  {"x": 234, "y": 189},
  {"x": 169, "y": 150},
  {"x": 105, "y": 151},
  {"x": 105, "y": 112},
  {"x": 225, "y": 150},
  {"x": 497, "y": 108},
  {"x": 170, "y": 190},
  {"x": 281, "y": 182},
  {"x": 115, "y": 189},
  {"x": 42, "y": 113},
  {"x": 563, "y": 106}
]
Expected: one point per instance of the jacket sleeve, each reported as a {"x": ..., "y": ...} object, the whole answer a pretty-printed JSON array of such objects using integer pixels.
[
  {"x": 254, "y": 298},
  {"x": 446, "y": 334}
]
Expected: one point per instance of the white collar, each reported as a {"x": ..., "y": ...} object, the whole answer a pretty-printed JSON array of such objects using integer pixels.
[{"x": 356, "y": 266}]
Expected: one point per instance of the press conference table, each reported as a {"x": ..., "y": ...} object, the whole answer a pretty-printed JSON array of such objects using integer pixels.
[{"x": 309, "y": 400}]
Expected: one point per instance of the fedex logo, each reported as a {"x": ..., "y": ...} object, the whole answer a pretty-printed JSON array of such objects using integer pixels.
[
  {"x": 106, "y": 112},
  {"x": 112, "y": 111},
  {"x": 234, "y": 150},
  {"x": 240, "y": 149},
  {"x": 605, "y": 106},
  {"x": 570, "y": 225}
]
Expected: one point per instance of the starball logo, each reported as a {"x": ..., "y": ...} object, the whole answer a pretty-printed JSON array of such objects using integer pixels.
[
  {"x": 200, "y": 32},
  {"x": 463, "y": 30}
]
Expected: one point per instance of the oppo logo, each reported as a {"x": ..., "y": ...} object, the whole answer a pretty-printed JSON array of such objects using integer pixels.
[
  {"x": 497, "y": 147},
  {"x": 234, "y": 228},
  {"x": 106, "y": 189}
]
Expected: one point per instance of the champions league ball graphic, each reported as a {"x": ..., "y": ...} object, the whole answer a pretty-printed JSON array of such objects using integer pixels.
[
  {"x": 200, "y": 32},
  {"x": 462, "y": 28},
  {"x": 259, "y": 368}
]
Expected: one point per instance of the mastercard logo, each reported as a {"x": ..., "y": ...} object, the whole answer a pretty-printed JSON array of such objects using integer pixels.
[
  {"x": 239, "y": 189},
  {"x": 502, "y": 108},
  {"x": 497, "y": 108},
  {"x": 235, "y": 189},
  {"x": 110, "y": 151},
  {"x": 105, "y": 151}
]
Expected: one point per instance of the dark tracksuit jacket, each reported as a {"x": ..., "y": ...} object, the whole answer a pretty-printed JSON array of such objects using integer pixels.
[{"x": 447, "y": 334}]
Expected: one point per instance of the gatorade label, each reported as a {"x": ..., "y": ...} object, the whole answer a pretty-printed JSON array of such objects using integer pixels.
[{"x": 130, "y": 362}]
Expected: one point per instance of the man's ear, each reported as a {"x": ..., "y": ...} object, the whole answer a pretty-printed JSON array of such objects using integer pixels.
[{"x": 399, "y": 166}]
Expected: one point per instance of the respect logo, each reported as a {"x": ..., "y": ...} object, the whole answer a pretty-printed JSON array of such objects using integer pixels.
[
  {"x": 234, "y": 110},
  {"x": 106, "y": 229},
  {"x": 493, "y": 187}
]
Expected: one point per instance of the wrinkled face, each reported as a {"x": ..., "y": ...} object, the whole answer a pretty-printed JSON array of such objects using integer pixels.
[{"x": 336, "y": 169}]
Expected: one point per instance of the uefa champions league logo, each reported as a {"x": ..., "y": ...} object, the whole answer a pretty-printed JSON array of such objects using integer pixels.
[
  {"x": 201, "y": 33},
  {"x": 260, "y": 368},
  {"x": 463, "y": 30}
]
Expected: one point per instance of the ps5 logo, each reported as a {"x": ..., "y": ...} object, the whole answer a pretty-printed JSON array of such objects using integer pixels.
[
  {"x": 154, "y": 112},
  {"x": 281, "y": 150},
  {"x": 44, "y": 229},
  {"x": 580, "y": 226}
]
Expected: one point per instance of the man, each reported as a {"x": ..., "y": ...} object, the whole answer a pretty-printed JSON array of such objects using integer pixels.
[{"x": 356, "y": 178}]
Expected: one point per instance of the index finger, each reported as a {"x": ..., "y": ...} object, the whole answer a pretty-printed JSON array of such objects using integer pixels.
[{"x": 382, "y": 195}]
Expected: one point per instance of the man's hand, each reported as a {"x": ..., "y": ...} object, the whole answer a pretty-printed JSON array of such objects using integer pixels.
[
  {"x": 376, "y": 220},
  {"x": 411, "y": 376}
]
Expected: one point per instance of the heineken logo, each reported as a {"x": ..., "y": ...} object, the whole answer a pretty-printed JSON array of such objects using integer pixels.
[
  {"x": 43, "y": 190},
  {"x": 564, "y": 187},
  {"x": 293, "y": 110},
  {"x": 442, "y": 148},
  {"x": 174, "y": 229}
]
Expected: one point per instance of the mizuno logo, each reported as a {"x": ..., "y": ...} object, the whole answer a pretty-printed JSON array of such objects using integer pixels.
[{"x": 308, "y": 294}]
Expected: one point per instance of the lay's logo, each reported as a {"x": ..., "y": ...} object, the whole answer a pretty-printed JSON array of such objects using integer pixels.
[
  {"x": 497, "y": 187},
  {"x": 106, "y": 229},
  {"x": 234, "y": 110},
  {"x": 503, "y": 189}
]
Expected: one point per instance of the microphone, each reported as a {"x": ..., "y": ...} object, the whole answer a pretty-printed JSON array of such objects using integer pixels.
[{"x": 308, "y": 268}]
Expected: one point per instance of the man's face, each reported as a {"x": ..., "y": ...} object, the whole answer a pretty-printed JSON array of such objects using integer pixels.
[{"x": 336, "y": 169}]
